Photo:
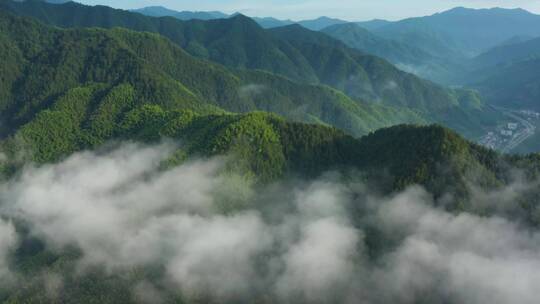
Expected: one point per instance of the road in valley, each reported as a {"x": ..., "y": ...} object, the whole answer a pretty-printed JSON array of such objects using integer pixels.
[{"x": 522, "y": 135}]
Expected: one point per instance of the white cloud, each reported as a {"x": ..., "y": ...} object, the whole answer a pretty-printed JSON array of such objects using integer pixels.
[
  {"x": 8, "y": 241},
  {"x": 303, "y": 243}
]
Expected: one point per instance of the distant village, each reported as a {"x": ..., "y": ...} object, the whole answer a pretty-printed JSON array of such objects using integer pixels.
[{"x": 508, "y": 132}]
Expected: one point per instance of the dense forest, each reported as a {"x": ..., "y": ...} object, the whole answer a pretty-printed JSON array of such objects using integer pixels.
[{"x": 302, "y": 55}]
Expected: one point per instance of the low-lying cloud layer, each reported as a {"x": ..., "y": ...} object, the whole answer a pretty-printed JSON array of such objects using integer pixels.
[{"x": 295, "y": 242}]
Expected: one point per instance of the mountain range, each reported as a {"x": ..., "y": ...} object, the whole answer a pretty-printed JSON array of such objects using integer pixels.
[
  {"x": 73, "y": 89},
  {"x": 507, "y": 75},
  {"x": 445, "y": 43},
  {"x": 462, "y": 31},
  {"x": 439, "y": 34},
  {"x": 437, "y": 47},
  {"x": 155, "y": 160},
  {"x": 160, "y": 11},
  {"x": 297, "y": 53},
  {"x": 406, "y": 57},
  {"x": 265, "y": 22},
  {"x": 162, "y": 72}
]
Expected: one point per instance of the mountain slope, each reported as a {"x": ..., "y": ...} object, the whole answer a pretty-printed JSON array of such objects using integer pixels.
[
  {"x": 236, "y": 42},
  {"x": 270, "y": 22},
  {"x": 508, "y": 75},
  {"x": 84, "y": 87},
  {"x": 361, "y": 75},
  {"x": 158, "y": 72},
  {"x": 371, "y": 78},
  {"x": 406, "y": 57},
  {"x": 514, "y": 85},
  {"x": 272, "y": 149},
  {"x": 359, "y": 38},
  {"x": 266, "y": 148},
  {"x": 508, "y": 53},
  {"x": 295, "y": 52}
]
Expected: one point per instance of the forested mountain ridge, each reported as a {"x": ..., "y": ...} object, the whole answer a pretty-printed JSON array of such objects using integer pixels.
[
  {"x": 357, "y": 37},
  {"x": 262, "y": 149},
  {"x": 375, "y": 79},
  {"x": 406, "y": 57},
  {"x": 162, "y": 73},
  {"x": 364, "y": 76},
  {"x": 231, "y": 42},
  {"x": 85, "y": 87},
  {"x": 77, "y": 88}
]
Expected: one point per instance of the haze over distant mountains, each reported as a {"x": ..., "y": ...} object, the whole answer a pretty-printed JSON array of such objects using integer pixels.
[
  {"x": 434, "y": 47},
  {"x": 440, "y": 35},
  {"x": 160, "y": 11},
  {"x": 491, "y": 27},
  {"x": 265, "y": 22}
]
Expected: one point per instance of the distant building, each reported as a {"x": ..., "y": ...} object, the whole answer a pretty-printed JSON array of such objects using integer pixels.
[
  {"x": 506, "y": 133},
  {"x": 512, "y": 126}
]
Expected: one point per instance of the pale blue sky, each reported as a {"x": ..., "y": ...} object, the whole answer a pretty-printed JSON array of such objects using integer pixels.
[{"x": 302, "y": 9}]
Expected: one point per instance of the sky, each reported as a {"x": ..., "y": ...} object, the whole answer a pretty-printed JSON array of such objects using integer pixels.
[{"x": 352, "y": 10}]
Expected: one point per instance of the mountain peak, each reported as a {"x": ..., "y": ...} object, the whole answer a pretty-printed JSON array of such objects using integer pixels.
[
  {"x": 155, "y": 10},
  {"x": 239, "y": 15},
  {"x": 155, "y": 7},
  {"x": 325, "y": 18},
  {"x": 241, "y": 18},
  {"x": 460, "y": 10},
  {"x": 320, "y": 23}
]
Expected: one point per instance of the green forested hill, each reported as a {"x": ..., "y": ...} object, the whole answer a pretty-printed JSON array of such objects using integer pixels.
[
  {"x": 294, "y": 52},
  {"x": 237, "y": 42},
  {"x": 364, "y": 76},
  {"x": 264, "y": 146},
  {"x": 66, "y": 90},
  {"x": 372, "y": 78},
  {"x": 43, "y": 64},
  {"x": 357, "y": 37},
  {"x": 262, "y": 149}
]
